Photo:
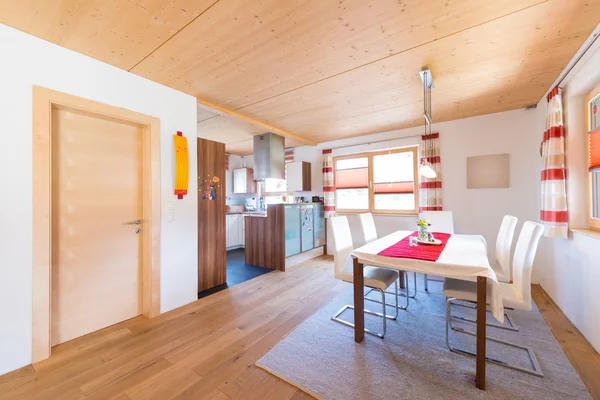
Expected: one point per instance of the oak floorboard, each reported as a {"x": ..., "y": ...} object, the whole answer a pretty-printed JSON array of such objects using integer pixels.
[
  {"x": 578, "y": 350},
  {"x": 207, "y": 349}
]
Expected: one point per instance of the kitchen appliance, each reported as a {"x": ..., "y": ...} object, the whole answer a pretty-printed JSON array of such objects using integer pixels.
[
  {"x": 251, "y": 203},
  {"x": 317, "y": 199},
  {"x": 269, "y": 157}
]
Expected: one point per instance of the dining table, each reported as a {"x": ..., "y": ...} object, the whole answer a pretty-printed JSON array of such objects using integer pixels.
[{"x": 459, "y": 256}]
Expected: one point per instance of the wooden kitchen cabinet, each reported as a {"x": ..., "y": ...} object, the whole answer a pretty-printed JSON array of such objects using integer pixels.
[
  {"x": 298, "y": 176},
  {"x": 243, "y": 180}
]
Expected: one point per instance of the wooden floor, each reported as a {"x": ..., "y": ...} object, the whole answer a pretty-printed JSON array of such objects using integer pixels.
[
  {"x": 579, "y": 351},
  {"x": 207, "y": 349}
]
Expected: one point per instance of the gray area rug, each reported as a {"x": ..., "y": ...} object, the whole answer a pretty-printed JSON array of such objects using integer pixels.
[{"x": 321, "y": 358}]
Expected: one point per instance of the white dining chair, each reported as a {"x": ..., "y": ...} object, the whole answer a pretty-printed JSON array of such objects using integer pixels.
[
  {"x": 516, "y": 295},
  {"x": 367, "y": 223},
  {"x": 503, "y": 247},
  {"x": 375, "y": 278},
  {"x": 440, "y": 221},
  {"x": 501, "y": 266}
]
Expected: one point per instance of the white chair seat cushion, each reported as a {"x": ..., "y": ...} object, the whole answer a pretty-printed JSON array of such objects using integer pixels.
[
  {"x": 375, "y": 277},
  {"x": 467, "y": 290}
]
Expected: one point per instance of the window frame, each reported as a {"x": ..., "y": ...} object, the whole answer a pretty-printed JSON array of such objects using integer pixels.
[
  {"x": 370, "y": 185},
  {"x": 593, "y": 223}
]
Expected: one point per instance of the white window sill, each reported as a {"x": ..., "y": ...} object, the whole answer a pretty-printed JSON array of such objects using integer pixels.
[{"x": 586, "y": 232}]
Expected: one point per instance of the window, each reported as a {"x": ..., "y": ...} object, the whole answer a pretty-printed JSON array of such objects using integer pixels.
[
  {"x": 593, "y": 151},
  {"x": 383, "y": 182}
]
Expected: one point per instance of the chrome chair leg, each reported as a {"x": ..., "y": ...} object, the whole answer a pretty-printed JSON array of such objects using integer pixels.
[
  {"x": 512, "y": 327},
  {"x": 408, "y": 288},
  {"x": 470, "y": 304},
  {"x": 536, "y": 370},
  {"x": 395, "y": 294},
  {"x": 385, "y": 317},
  {"x": 383, "y": 312},
  {"x": 426, "y": 280}
]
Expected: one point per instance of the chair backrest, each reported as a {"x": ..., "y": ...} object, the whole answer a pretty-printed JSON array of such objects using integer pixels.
[
  {"x": 342, "y": 243},
  {"x": 440, "y": 221},
  {"x": 368, "y": 227},
  {"x": 523, "y": 260},
  {"x": 504, "y": 244}
]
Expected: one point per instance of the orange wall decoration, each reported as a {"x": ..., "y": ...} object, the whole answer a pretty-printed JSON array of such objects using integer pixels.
[{"x": 181, "y": 165}]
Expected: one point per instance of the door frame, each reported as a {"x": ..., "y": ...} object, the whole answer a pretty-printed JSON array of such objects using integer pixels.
[{"x": 43, "y": 102}]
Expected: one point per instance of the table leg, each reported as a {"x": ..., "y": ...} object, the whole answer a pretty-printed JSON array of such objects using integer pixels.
[
  {"x": 359, "y": 301},
  {"x": 401, "y": 276},
  {"x": 481, "y": 326}
]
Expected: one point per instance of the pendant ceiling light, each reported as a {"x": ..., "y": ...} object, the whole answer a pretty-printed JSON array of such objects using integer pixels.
[{"x": 426, "y": 170}]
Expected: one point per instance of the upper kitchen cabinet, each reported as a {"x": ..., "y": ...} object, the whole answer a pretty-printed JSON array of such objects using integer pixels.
[
  {"x": 298, "y": 176},
  {"x": 243, "y": 180}
]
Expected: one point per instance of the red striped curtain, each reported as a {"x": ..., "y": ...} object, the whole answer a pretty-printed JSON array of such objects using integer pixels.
[
  {"x": 430, "y": 190},
  {"x": 289, "y": 155},
  {"x": 554, "y": 214},
  {"x": 328, "y": 188},
  {"x": 289, "y": 158}
]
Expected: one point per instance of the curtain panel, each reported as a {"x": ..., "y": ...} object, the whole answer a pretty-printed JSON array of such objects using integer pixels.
[
  {"x": 430, "y": 190},
  {"x": 328, "y": 188},
  {"x": 554, "y": 213}
]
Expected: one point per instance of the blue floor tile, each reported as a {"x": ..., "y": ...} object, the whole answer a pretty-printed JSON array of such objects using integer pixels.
[{"x": 237, "y": 272}]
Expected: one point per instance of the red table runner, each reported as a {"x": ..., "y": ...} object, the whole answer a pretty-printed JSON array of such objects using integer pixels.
[{"x": 425, "y": 252}]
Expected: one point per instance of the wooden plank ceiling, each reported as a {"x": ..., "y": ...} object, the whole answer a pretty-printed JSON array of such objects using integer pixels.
[{"x": 324, "y": 70}]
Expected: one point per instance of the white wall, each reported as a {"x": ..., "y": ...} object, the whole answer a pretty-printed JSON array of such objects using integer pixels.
[
  {"x": 571, "y": 267},
  {"x": 476, "y": 211},
  {"x": 28, "y": 61}
]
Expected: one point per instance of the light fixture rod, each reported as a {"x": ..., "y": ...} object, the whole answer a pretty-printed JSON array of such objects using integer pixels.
[{"x": 426, "y": 77}]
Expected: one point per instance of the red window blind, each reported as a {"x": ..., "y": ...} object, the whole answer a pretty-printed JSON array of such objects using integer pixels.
[
  {"x": 594, "y": 145},
  {"x": 356, "y": 178},
  {"x": 393, "y": 188}
]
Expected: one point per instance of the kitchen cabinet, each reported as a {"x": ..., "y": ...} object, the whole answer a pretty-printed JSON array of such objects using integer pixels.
[
  {"x": 307, "y": 230},
  {"x": 243, "y": 180},
  {"x": 299, "y": 176},
  {"x": 292, "y": 230},
  {"x": 304, "y": 227},
  {"x": 242, "y": 230},
  {"x": 235, "y": 231}
]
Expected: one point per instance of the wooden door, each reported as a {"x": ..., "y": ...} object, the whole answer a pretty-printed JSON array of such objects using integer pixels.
[{"x": 96, "y": 256}]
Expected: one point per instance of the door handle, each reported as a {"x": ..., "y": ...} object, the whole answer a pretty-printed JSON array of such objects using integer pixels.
[{"x": 136, "y": 222}]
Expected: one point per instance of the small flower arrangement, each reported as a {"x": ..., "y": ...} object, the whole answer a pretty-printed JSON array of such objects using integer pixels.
[
  {"x": 422, "y": 222},
  {"x": 208, "y": 187},
  {"x": 423, "y": 225}
]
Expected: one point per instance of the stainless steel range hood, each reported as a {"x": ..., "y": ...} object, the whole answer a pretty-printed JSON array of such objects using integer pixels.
[{"x": 269, "y": 157}]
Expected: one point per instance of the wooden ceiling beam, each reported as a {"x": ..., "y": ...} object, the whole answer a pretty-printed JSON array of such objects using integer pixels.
[{"x": 270, "y": 127}]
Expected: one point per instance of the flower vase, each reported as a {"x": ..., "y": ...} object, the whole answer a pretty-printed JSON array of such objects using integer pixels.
[{"x": 422, "y": 233}]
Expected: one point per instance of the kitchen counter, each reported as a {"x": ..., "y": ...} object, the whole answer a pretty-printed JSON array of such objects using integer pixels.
[
  {"x": 247, "y": 213},
  {"x": 265, "y": 238},
  {"x": 286, "y": 230}
]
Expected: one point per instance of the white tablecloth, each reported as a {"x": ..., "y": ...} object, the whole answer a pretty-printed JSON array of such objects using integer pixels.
[{"x": 463, "y": 256}]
